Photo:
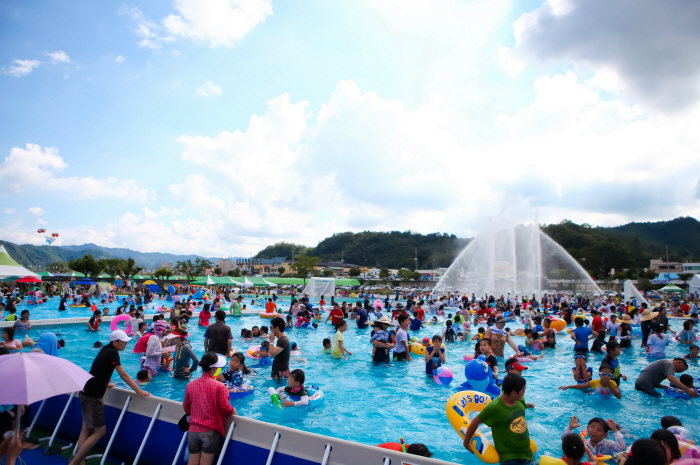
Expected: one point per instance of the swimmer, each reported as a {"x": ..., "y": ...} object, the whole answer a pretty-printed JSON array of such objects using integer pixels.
[
  {"x": 97, "y": 345},
  {"x": 694, "y": 353},
  {"x": 597, "y": 431},
  {"x": 327, "y": 345},
  {"x": 295, "y": 387},
  {"x": 143, "y": 377},
  {"x": 603, "y": 386},
  {"x": 93, "y": 323},
  {"x": 232, "y": 376}
]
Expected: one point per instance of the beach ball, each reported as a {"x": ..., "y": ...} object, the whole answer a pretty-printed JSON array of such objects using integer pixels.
[{"x": 443, "y": 376}]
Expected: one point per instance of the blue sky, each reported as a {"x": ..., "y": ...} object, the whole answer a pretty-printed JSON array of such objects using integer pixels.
[{"x": 218, "y": 127}]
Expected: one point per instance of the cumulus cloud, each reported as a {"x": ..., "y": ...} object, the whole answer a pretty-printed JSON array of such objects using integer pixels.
[
  {"x": 58, "y": 57},
  {"x": 32, "y": 167},
  {"x": 9, "y": 211},
  {"x": 36, "y": 211},
  {"x": 23, "y": 67},
  {"x": 217, "y": 22},
  {"x": 653, "y": 46},
  {"x": 119, "y": 59},
  {"x": 209, "y": 89}
]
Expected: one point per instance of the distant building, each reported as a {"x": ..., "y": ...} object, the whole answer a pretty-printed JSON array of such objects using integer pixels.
[
  {"x": 168, "y": 265},
  {"x": 691, "y": 268},
  {"x": 660, "y": 266}
]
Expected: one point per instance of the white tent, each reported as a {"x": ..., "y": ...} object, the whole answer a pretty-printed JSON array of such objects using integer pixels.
[
  {"x": 318, "y": 287},
  {"x": 631, "y": 292},
  {"x": 9, "y": 267},
  {"x": 694, "y": 284},
  {"x": 269, "y": 283}
]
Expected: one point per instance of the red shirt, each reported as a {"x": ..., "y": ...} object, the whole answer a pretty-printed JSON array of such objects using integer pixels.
[
  {"x": 597, "y": 324},
  {"x": 270, "y": 307},
  {"x": 336, "y": 315},
  {"x": 421, "y": 313},
  {"x": 206, "y": 402}
]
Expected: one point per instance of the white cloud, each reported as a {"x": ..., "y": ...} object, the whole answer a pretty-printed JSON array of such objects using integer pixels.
[
  {"x": 36, "y": 211},
  {"x": 119, "y": 59},
  {"x": 37, "y": 168},
  {"x": 9, "y": 210},
  {"x": 653, "y": 46},
  {"x": 23, "y": 67},
  {"x": 209, "y": 89},
  {"x": 217, "y": 22},
  {"x": 42, "y": 222},
  {"x": 58, "y": 57}
]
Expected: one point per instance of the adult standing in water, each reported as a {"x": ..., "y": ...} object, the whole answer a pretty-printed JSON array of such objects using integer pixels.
[
  {"x": 236, "y": 307},
  {"x": 62, "y": 304},
  {"x": 279, "y": 352},
  {"x": 499, "y": 336}
]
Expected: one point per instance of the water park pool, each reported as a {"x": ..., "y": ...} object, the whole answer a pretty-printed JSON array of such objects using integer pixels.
[{"x": 373, "y": 405}]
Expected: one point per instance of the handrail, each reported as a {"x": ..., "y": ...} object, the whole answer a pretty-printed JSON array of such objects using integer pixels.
[
  {"x": 273, "y": 448},
  {"x": 114, "y": 433},
  {"x": 148, "y": 432},
  {"x": 327, "y": 454},
  {"x": 179, "y": 448},
  {"x": 36, "y": 416},
  {"x": 226, "y": 441},
  {"x": 49, "y": 450}
]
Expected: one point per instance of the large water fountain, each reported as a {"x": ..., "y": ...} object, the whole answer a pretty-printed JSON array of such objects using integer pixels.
[{"x": 516, "y": 259}]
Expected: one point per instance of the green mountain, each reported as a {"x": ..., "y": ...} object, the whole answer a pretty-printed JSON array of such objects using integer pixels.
[
  {"x": 39, "y": 256},
  {"x": 145, "y": 259}
]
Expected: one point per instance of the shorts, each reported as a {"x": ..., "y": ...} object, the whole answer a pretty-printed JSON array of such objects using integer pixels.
[
  {"x": 646, "y": 390},
  {"x": 400, "y": 356},
  {"x": 93, "y": 411},
  {"x": 207, "y": 442},
  {"x": 279, "y": 374}
]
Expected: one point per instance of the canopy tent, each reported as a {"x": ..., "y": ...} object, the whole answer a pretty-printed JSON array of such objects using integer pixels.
[
  {"x": 204, "y": 281},
  {"x": 631, "y": 292},
  {"x": 257, "y": 282},
  {"x": 694, "y": 284},
  {"x": 672, "y": 288},
  {"x": 347, "y": 282},
  {"x": 45, "y": 274},
  {"x": 9, "y": 267},
  {"x": 271, "y": 284},
  {"x": 215, "y": 281},
  {"x": 318, "y": 287},
  {"x": 240, "y": 282},
  {"x": 286, "y": 281}
]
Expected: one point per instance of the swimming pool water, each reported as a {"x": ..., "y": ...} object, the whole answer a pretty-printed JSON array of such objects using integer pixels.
[{"x": 373, "y": 405}]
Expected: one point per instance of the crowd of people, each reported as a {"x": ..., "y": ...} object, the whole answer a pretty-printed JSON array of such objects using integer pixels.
[{"x": 606, "y": 325}]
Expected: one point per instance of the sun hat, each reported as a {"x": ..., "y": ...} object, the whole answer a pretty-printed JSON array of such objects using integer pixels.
[
  {"x": 119, "y": 335},
  {"x": 626, "y": 318},
  {"x": 515, "y": 365},
  {"x": 384, "y": 320},
  {"x": 648, "y": 315}
]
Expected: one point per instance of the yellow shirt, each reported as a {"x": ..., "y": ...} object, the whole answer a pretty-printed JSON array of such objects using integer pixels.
[
  {"x": 595, "y": 385},
  {"x": 337, "y": 339}
]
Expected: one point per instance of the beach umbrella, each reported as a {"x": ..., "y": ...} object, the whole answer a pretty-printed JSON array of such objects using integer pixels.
[
  {"x": 86, "y": 282},
  {"x": 21, "y": 386},
  {"x": 29, "y": 279},
  {"x": 150, "y": 281}
]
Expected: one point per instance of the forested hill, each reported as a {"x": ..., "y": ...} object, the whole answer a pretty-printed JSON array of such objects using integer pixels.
[{"x": 42, "y": 255}]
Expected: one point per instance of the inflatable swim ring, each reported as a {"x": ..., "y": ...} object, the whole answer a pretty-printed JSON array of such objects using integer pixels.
[
  {"x": 114, "y": 325},
  {"x": 316, "y": 395},
  {"x": 458, "y": 408},
  {"x": 468, "y": 358},
  {"x": 675, "y": 392},
  {"x": 417, "y": 348},
  {"x": 246, "y": 388},
  {"x": 521, "y": 359},
  {"x": 547, "y": 460},
  {"x": 77, "y": 306},
  {"x": 251, "y": 350},
  {"x": 558, "y": 325},
  {"x": 268, "y": 315}
]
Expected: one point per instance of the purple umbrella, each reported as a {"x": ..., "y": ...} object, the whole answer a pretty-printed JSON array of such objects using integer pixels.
[{"x": 24, "y": 378}]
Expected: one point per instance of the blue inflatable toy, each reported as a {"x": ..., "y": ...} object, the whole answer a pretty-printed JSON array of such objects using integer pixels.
[{"x": 480, "y": 377}]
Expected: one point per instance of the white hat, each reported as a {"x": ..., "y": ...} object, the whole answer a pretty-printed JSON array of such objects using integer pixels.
[
  {"x": 119, "y": 335},
  {"x": 220, "y": 363}
]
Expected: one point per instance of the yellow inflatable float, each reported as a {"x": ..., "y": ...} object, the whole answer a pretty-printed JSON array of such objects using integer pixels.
[
  {"x": 458, "y": 408},
  {"x": 547, "y": 460}
]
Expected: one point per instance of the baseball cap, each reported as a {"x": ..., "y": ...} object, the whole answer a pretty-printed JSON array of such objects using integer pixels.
[
  {"x": 119, "y": 335},
  {"x": 514, "y": 364},
  {"x": 426, "y": 339}
]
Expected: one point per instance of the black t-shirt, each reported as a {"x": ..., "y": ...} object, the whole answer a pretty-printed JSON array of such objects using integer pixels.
[
  {"x": 102, "y": 369},
  {"x": 280, "y": 361},
  {"x": 218, "y": 335}
]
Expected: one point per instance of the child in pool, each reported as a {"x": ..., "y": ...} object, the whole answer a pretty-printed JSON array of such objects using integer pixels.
[
  {"x": 479, "y": 335},
  {"x": 295, "y": 387},
  {"x": 597, "y": 431},
  {"x": 581, "y": 372},
  {"x": 93, "y": 323},
  {"x": 603, "y": 386},
  {"x": 232, "y": 376},
  {"x": 256, "y": 331},
  {"x": 263, "y": 353},
  {"x": 533, "y": 340},
  {"x": 434, "y": 355},
  {"x": 23, "y": 324},
  {"x": 141, "y": 330},
  {"x": 143, "y": 377},
  {"x": 574, "y": 449},
  {"x": 317, "y": 315},
  {"x": 694, "y": 353},
  {"x": 599, "y": 342},
  {"x": 290, "y": 322},
  {"x": 339, "y": 339},
  {"x": 263, "y": 332},
  {"x": 327, "y": 345}
]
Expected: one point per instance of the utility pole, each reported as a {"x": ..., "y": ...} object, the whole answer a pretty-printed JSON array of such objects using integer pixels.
[
  {"x": 666, "y": 253},
  {"x": 416, "y": 259}
]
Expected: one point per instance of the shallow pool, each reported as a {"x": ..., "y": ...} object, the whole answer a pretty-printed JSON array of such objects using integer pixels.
[{"x": 372, "y": 404}]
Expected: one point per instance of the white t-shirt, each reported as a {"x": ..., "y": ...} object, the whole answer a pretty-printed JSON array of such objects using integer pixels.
[
  {"x": 401, "y": 337},
  {"x": 613, "y": 328}
]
